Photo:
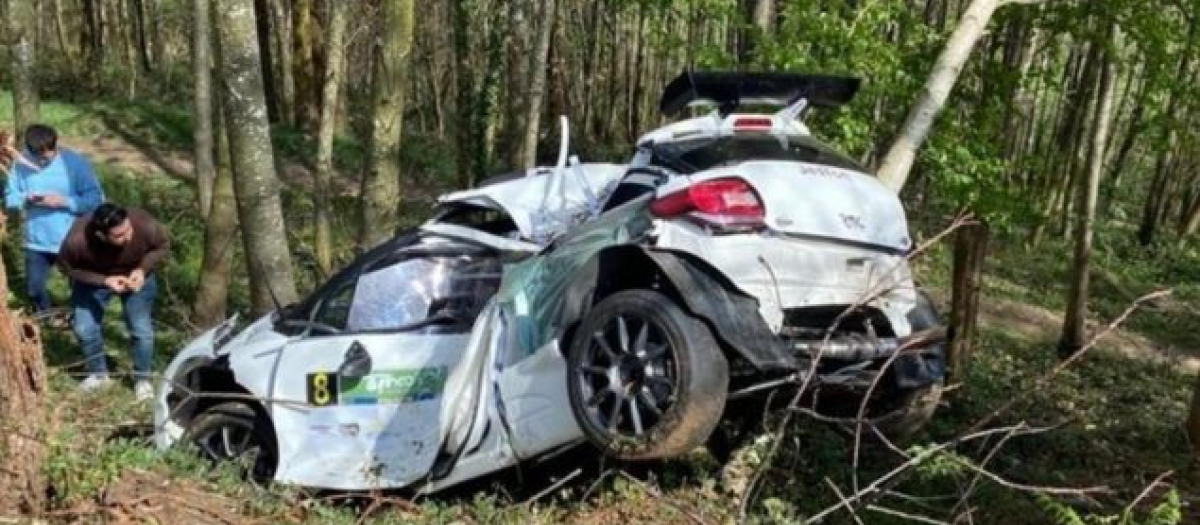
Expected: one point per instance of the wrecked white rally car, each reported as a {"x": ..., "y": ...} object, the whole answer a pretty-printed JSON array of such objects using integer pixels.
[{"x": 634, "y": 307}]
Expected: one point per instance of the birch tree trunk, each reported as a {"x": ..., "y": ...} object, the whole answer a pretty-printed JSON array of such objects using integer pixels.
[
  {"x": 22, "y": 21},
  {"x": 202, "y": 133},
  {"x": 898, "y": 161},
  {"x": 1074, "y": 333},
  {"x": 329, "y": 105},
  {"x": 537, "y": 84},
  {"x": 256, "y": 185},
  {"x": 380, "y": 197}
]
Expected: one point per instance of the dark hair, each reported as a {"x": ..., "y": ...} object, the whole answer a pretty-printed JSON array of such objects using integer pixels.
[
  {"x": 106, "y": 217},
  {"x": 40, "y": 138}
]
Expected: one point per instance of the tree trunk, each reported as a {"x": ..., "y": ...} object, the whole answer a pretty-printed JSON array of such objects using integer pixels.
[
  {"x": 898, "y": 161},
  {"x": 380, "y": 196},
  {"x": 1077, "y": 300},
  {"x": 970, "y": 250},
  {"x": 262, "y": 17},
  {"x": 537, "y": 85},
  {"x": 1193, "y": 420},
  {"x": 94, "y": 30},
  {"x": 304, "y": 67},
  {"x": 22, "y": 414},
  {"x": 761, "y": 15},
  {"x": 283, "y": 28},
  {"x": 138, "y": 17},
  {"x": 257, "y": 187},
  {"x": 60, "y": 31},
  {"x": 329, "y": 105},
  {"x": 22, "y": 20},
  {"x": 220, "y": 234},
  {"x": 202, "y": 133}
]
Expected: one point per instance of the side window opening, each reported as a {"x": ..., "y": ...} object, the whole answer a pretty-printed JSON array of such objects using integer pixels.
[{"x": 423, "y": 291}]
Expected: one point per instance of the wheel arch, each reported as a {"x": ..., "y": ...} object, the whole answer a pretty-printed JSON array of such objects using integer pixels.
[
  {"x": 695, "y": 285},
  {"x": 201, "y": 383}
]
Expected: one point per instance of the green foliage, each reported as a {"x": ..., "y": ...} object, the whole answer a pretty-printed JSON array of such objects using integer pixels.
[{"x": 1167, "y": 512}]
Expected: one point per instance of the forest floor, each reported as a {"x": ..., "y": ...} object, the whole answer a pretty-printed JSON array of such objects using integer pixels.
[{"x": 1116, "y": 415}]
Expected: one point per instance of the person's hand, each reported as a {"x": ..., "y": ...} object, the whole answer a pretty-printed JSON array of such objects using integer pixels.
[
  {"x": 53, "y": 200},
  {"x": 136, "y": 280},
  {"x": 117, "y": 283}
]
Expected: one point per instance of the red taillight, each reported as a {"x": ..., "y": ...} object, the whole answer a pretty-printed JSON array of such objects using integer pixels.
[
  {"x": 752, "y": 124},
  {"x": 729, "y": 202}
]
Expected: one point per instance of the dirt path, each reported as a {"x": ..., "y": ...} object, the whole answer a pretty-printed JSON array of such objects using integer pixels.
[
  {"x": 1035, "y": 323},
  {"x": 115, "y": 151}
]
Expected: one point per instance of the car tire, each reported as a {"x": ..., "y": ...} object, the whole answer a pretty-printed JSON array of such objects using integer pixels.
[
  {"x": 234, "y": 431},
  {"x": 674, "y": 377}
]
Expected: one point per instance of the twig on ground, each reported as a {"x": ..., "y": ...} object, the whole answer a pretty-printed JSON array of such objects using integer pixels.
[
  {"x": 842, "y": 498},
  {"x": 656, "y": 494},
  {"x": 905, "y": 515},
  {"x": 553, "y": 487},
  {"x": 892, "y": 475},
  {"x": 1146, "y": 491}
]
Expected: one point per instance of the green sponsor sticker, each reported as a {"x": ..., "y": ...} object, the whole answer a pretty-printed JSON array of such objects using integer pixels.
[{"x": 394, "y": 386}]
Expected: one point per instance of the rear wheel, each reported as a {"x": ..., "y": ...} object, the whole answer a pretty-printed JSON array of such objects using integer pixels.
[
  {"x": 234, "y": 432},
  {"x": 646, "y": 380}
]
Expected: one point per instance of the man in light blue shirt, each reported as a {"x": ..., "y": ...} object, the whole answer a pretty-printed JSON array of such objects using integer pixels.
[{"x": 51, "y": 189}]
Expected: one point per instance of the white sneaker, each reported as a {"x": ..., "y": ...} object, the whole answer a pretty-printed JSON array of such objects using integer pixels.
[
  {"x": 142, "y": 390},
  {"x": 94, "y": 382}
]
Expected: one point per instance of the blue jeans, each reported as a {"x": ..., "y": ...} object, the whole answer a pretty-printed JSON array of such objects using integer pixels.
[
  {"x": 37, "y": 272},
  {"x": 88, "y": 302}
]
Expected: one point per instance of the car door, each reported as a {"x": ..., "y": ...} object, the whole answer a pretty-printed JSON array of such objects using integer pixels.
[{"x": 359, "y": 396}]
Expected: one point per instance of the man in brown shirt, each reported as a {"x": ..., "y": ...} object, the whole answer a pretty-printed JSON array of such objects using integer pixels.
[{"x": 114, "y": 251}]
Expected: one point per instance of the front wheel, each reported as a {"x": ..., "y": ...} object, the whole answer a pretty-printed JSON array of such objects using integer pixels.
[
  {"x": 234, "y": 432},
  {"x": 646, "y": 380}
]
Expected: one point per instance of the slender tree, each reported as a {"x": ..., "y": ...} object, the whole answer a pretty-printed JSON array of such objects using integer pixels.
[
  {"x": 329, "y": 106},
  {"x": 220, "y": 238},
  {"x": 202, "y": 132},
  {"x": 381, "y": 184},
  {"x": 537, "y": 84},
  {"x": 256, "y": 185},
  {"x": 22, "y": 24},
  {"x": 304, "y": 63},
  {"x": 1074, "y": 333},
  {"x": 262, "y": 17}
]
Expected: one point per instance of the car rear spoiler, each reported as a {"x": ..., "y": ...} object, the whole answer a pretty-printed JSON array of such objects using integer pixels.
[{"x": 728, "y": 90}]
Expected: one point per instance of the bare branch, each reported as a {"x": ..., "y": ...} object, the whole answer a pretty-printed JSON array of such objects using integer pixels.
[
  {"x": 842, "y": 498},
  {"x": 905, "y": 515},
  {"x": 894, "y": 474},
  {"x": 656, "y": 494},
  {"x": 1146, "y": 491}
]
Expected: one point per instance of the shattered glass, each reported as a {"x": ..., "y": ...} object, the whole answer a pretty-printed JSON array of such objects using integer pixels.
[{"x": 413, "y": 290}]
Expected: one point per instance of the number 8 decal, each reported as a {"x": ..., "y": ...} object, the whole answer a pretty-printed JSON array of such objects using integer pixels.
[{"x": 322, "y": 389}]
